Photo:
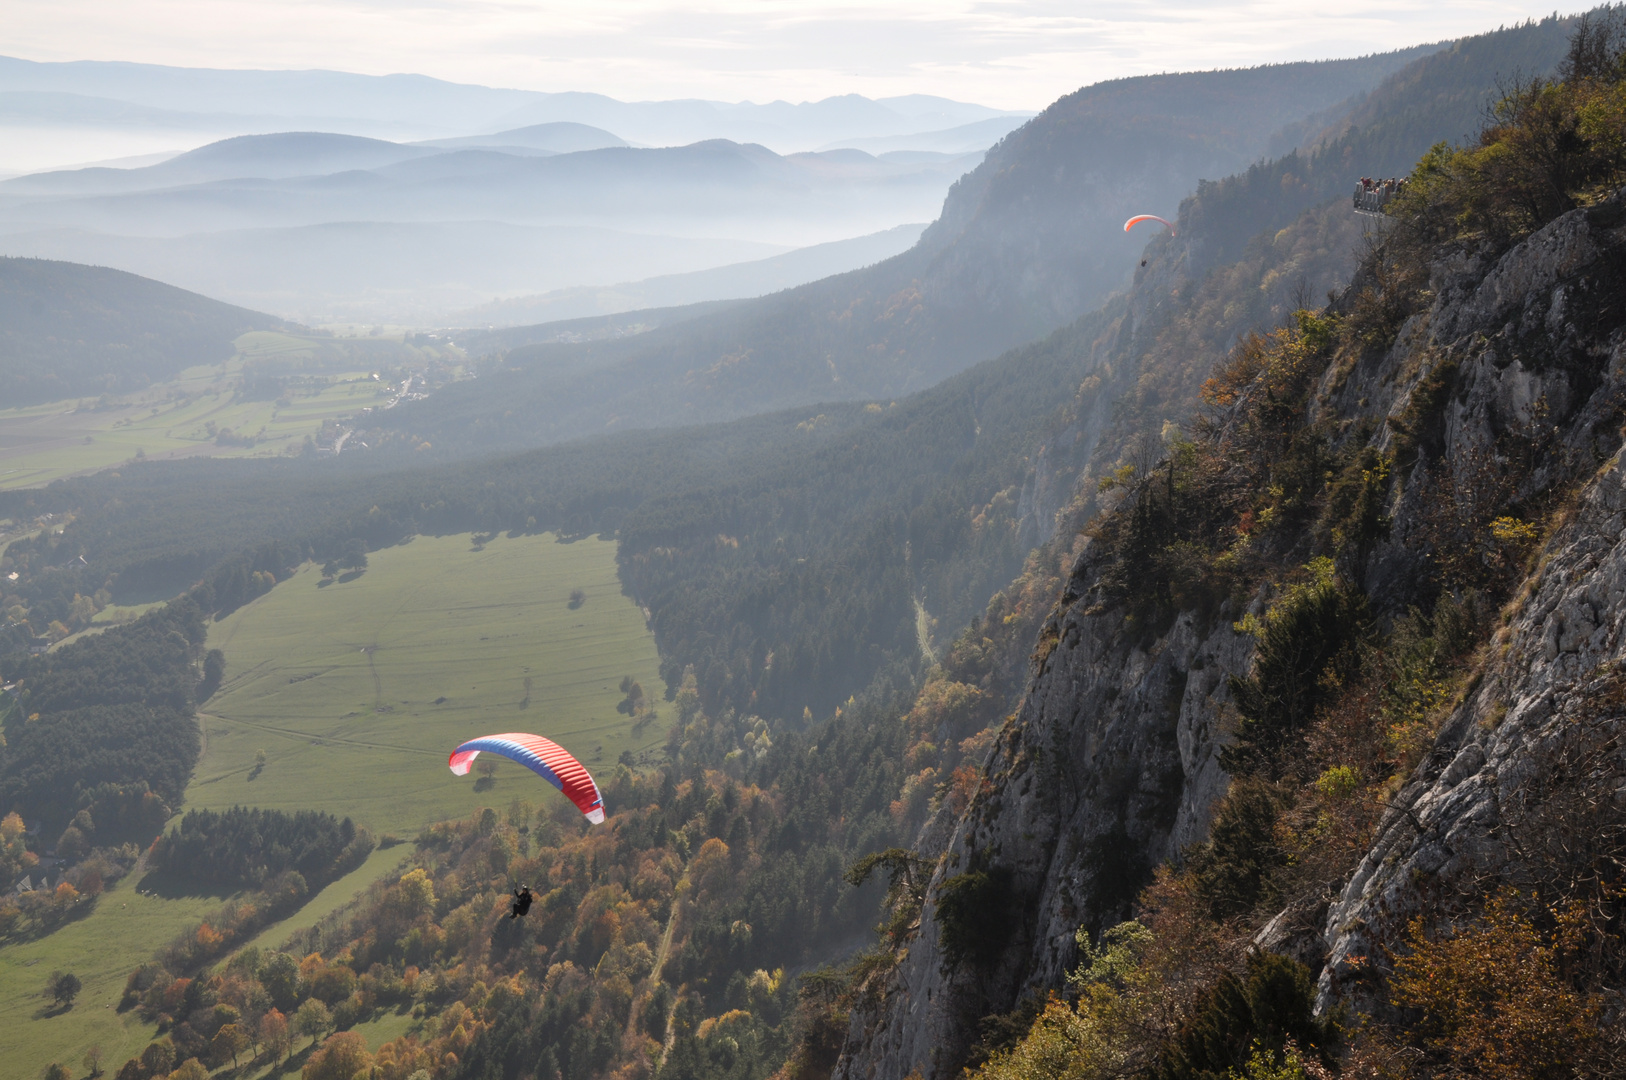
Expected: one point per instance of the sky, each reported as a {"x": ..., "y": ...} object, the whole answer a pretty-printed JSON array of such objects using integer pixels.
[{"x": 1012, "y": 54}]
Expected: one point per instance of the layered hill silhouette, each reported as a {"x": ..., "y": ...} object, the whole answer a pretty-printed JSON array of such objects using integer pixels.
[
  {"x": 441, "y": 228},
  {"x": 293, "y": 179},
  {"x": 96, "y": 93},
  {"x": 252, "y": 157},
  {"x": 68, "y": 330},
  {"x": 1027, "y": 242}
]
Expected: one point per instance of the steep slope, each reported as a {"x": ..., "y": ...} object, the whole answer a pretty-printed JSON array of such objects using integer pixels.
[
  {"x": 1380, "y": 783},
  {"x": 1533, "y": 339},
  {"x": 1283, "y": 224},
  {"x": 70, "y": 330}
]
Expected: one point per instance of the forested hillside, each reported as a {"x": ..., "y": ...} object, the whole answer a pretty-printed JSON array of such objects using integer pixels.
[
  {"x": 1254, "y": 246},
  {"x": 69, "y": 330},
  {"x": 105, "y": 724},
  {"x": 1308, "y": 774},
  {"x": 810, "y": 538},
  {"x": 761, "y": 545}
]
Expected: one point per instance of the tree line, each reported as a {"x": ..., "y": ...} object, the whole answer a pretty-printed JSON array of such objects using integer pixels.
[{"x": 244, "y": 847}]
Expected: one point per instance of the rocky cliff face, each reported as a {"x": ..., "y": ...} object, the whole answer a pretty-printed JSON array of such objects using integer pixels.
[
  {"x": 1109, "y": 767},
  {"x": 1537, "y": 337},
  {"x": 1111, "y": 764}
]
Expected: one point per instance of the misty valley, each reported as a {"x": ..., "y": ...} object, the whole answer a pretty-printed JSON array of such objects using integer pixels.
[{"x": 510, "y": 584}]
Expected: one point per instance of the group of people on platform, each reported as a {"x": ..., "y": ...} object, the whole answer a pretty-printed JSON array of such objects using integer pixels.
[{"x": 1371, "y": 195}]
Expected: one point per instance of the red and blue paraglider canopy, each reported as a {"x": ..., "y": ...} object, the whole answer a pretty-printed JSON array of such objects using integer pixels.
[
  {"x": 1138, "y": 218},
  {"x": 544, "y": 757}
]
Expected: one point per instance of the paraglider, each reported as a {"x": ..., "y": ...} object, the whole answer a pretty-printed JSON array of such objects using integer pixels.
[
  {"x": 544, "y": 757},
  {"x": 522, "y": 902},
  {"x": 1132, "y": 222}
]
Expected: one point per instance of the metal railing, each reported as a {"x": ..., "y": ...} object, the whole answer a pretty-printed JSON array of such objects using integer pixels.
[{"x": 1372, "y": 196}]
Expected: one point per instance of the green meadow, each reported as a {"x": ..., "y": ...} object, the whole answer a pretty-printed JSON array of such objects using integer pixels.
[
  {"x": 359, "y": 689},
  {"x": 123, "y": 930},
  {"x": 331, "y": 378}
]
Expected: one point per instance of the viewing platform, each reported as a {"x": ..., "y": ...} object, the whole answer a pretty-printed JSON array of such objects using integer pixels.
[{"x": 1371, "y": 196}]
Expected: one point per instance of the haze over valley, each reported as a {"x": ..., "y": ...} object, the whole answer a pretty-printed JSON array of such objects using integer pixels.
[
  {"x": 549, "y": 581},
  {"x": 418, "y": 198}
]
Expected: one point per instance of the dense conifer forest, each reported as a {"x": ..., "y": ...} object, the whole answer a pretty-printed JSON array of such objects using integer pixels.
[
  {"x": 106, "y": 723},
  {"x": 243, "y": 846}
]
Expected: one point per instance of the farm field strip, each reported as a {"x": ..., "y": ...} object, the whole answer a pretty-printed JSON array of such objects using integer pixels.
[
  {"x": 123, "y": 931},
  {"x": 357, "y": 690},
  {"x": 45, "y": 442}
]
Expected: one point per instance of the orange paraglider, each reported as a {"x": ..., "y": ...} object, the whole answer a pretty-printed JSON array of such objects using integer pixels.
[{"x": 1132, "y": 222}]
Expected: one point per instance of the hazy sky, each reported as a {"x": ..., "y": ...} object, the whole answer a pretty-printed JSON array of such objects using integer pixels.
[{"x": 1008, "y": 53}]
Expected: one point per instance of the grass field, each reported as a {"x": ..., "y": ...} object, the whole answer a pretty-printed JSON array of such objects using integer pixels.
[
  {"x": 123, "y": 931},
  {"x": 339, "y": 685},
  {"x": 41, "y": 443},
  {"x": 333, "y": 897},
  {"x": 358, "y": 690}
]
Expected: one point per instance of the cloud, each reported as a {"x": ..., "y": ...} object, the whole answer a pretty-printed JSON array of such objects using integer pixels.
[{"x": 1008, "y": 53}]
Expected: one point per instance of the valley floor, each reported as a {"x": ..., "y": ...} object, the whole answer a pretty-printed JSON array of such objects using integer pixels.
[{"x": 338, "y": 684}]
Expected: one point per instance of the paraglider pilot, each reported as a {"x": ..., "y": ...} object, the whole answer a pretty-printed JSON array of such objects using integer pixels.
[{"x": 522, "y": 902}]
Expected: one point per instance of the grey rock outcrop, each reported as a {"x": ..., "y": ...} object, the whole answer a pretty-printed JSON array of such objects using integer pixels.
[
  {"x": 1538, "y": 341},
  {"x": 1111, "y": 764},
  {"x": 1443, "y": 835}
]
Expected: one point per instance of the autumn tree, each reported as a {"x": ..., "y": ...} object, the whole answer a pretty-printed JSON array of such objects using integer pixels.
[
  {"x": 158, "y": 1057},
  {"x": 341, "y": 1057},
  {"x": 191, "y": 1069},
  {"x": 280, "y": 977},
  {"x": 312, "y": 1019},
  {"x": 228, "y": 1042},
  {"x": 1493, "y": 1000},
  {"x": 15, "y": 857},
  {"x": 274, "y": 1033},
  {"x": 414, "y": 895}
]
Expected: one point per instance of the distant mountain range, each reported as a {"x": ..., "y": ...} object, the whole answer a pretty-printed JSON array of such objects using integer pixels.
[
  {"x": 556, "y": 137},
  {"x": 716, "y": 187},
  {"x": 412, "y": 273},
  {"x": 328, "y": 195},
  {"x": 321, "y": 226},
  {"x": 96, "y": 94},
  {"x": 1026, "y": 243}
]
